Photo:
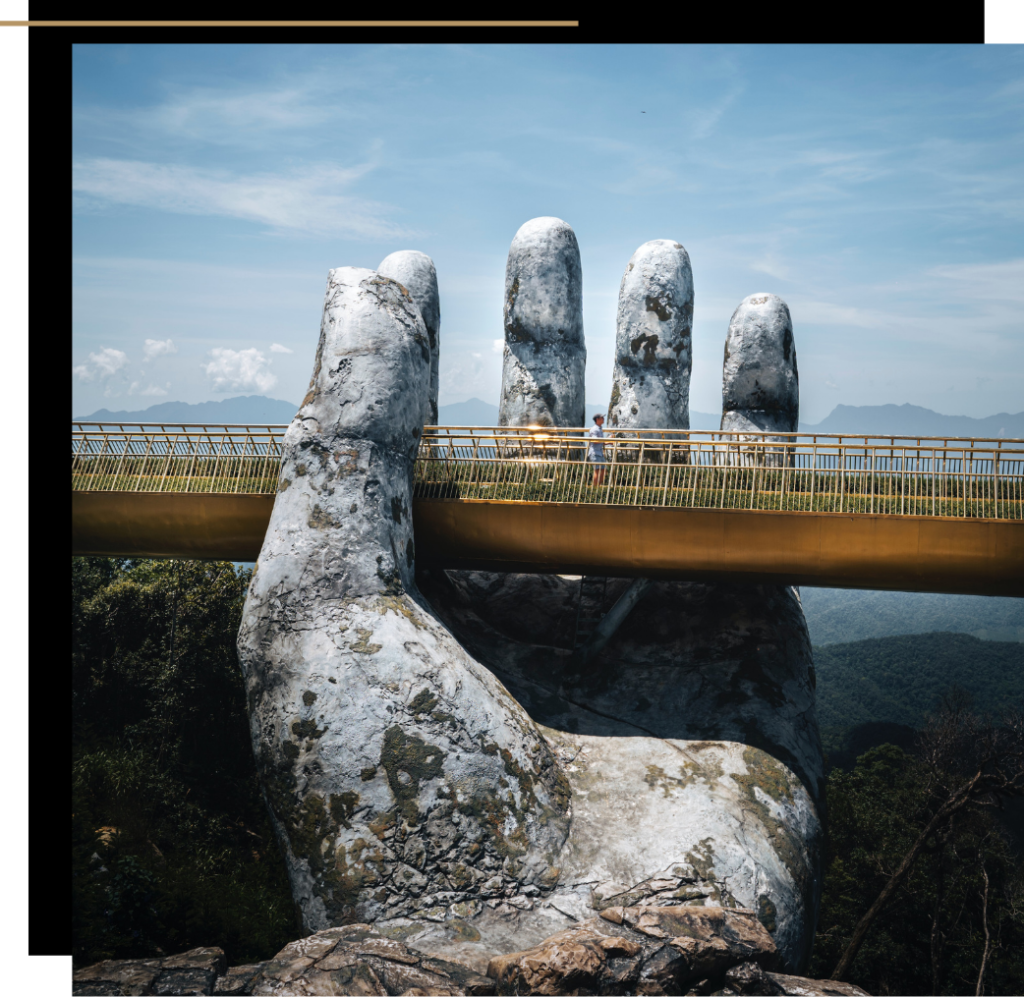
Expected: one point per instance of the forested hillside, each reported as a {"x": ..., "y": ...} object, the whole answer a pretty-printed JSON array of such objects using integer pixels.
[
  {"x": 837, "y": 616},
  {"x": 171, "y": 843},
  {"x": 899, "y": 680}
]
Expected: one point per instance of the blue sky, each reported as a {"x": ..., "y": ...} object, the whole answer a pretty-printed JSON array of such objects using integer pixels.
[{"x": 878, "y": 190}]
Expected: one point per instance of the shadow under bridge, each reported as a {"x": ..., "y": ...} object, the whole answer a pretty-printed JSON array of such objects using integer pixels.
[{"x": 914, "y": 514}]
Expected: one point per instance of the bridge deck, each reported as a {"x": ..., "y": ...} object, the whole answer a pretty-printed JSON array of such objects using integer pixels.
[{"x": 914, "y": 514}]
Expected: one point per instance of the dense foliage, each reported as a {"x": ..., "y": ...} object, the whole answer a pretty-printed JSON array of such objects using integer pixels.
[
  {"x": 900, "y": 680},
  {"x": 172, "y": 844},
  {"x": 930, "y": 938}
]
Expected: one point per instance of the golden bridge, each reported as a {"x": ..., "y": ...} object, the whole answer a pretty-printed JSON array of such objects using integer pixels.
[{"x": 915, "y": 514}]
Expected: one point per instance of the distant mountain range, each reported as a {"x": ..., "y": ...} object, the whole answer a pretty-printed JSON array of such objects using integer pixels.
[
  {"x": 839, "y": 616},
  {"x": 243, "y": 410},
  {"x": 871, "y": 420},
  {"x": 912, "y": 420}
]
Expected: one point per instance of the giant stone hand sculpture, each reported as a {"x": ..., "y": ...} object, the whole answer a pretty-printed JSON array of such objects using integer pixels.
[{"x": 438, "y": 763}]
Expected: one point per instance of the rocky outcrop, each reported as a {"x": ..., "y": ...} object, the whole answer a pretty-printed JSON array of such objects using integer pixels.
[
  {"x": 545, "y": 354},
  {"x": 651, "y": 373},
  {"x": 357, "y": 959},
  {"x": 658, "y": 950},
  {"x": 642, "y": 950},
  {"x": 415, "y": 272},
  {"x": 760, "y": 384},
  {"x": 192, "y": 972},
  {"x": 400, "y": 774}
]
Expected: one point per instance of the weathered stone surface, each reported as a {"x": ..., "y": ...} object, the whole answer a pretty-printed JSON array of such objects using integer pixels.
[
  {"x": 415, "y": 272},
  {"x": 651, "y": 372},
  {"x": 401, "y": 776},
  {"x": 801, "y": 986},
  {"x": 357, "y": 959},
  {"x": 750, "y": 978},
  {"x": 545, "y": 354},
  {"x": 689, "y": 742},
  {"x": 192, "y": 972},
  {"x": 655, "y": 950},
  {"x": 645, "y": 950},
  {"x": 239, "y": 979},
  {"x": 760, "y": 385}
]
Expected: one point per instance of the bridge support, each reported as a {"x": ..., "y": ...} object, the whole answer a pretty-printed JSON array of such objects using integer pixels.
[{"x": 612, "y": 620}]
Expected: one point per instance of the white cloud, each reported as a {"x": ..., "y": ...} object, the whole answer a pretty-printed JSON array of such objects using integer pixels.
[
  {"x": 498, "y": 346},
  {"x": 152, "y": 390},
  {"x": 102, "y": 365},
  {"x": 238, "y": 370},
  {"x": 306, "y": 200},
  {"x": 278, "y": 348},
  {"x": 1000, "y": 281},
  {"x": 159, "y": 347}
]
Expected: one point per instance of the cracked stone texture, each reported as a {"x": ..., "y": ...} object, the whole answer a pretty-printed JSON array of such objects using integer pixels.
[
  {"x": 400, "y": 774},
  {"x": 545, "y": 354},
  {"x": 760, "y": 386},
  {"x": 651, "y": 371},
  {"x": 415, "y": 272},
  {"x": 648, "y": 950},
  {"x": 690, "y": 743}
]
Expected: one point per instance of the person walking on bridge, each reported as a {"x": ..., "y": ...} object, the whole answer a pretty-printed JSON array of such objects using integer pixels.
[{"x": 596, "y": 454}]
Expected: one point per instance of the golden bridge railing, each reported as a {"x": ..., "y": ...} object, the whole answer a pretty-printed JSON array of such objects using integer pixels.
[
  {"x": 236, "y": 460},
  {"x": 712, "y": 470},
  {"x": 671, "y": 468}
]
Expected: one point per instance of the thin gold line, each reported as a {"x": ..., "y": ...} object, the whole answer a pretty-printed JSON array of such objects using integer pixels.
[{"x": 289, "y": 24}]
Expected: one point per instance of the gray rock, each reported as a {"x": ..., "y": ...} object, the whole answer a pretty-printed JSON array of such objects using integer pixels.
[
  {"x": 651, "y": 372},
  {"x": 358, "y": 959},
  {"x": 545, "y": 354},
  {"x": 760, "y": 385},
  {"x": 649, "y": 950},
  {"x": 239, "y": 980},
  {"x": 371, "y": 725},
  {"x": 192, "y": 972},
  {"x": 415, "y": 272}
]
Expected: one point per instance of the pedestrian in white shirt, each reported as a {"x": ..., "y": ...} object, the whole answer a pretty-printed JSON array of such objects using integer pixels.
[{"x": 596, "y": 454}]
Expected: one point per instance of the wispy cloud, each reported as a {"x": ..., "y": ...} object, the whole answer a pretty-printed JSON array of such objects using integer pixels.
[
  {"x": 278, "y": 348},
  {"x": 101, "y": 365},
  {"x": 219, "y": 115},
  {"x": 238, "y": 370},
  {"x": 158, "y": 348},
  {"x": 306, "y": 200},
  {"x": 152, "y": 390},
  {"x": 990, "y": 282},
  {"x": 704, "y": 120}
]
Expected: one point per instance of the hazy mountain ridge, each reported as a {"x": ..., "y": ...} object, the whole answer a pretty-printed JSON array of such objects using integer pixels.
[
  {"x": 837, "y": 616},
  {"x": 242, "y": 410},
  {"x": 913, "y": 420},
  {"x": 870, "y": 419}
]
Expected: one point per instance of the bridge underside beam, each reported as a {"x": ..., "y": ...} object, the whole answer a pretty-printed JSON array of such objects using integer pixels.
[{"x": 917, "y": 554}]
